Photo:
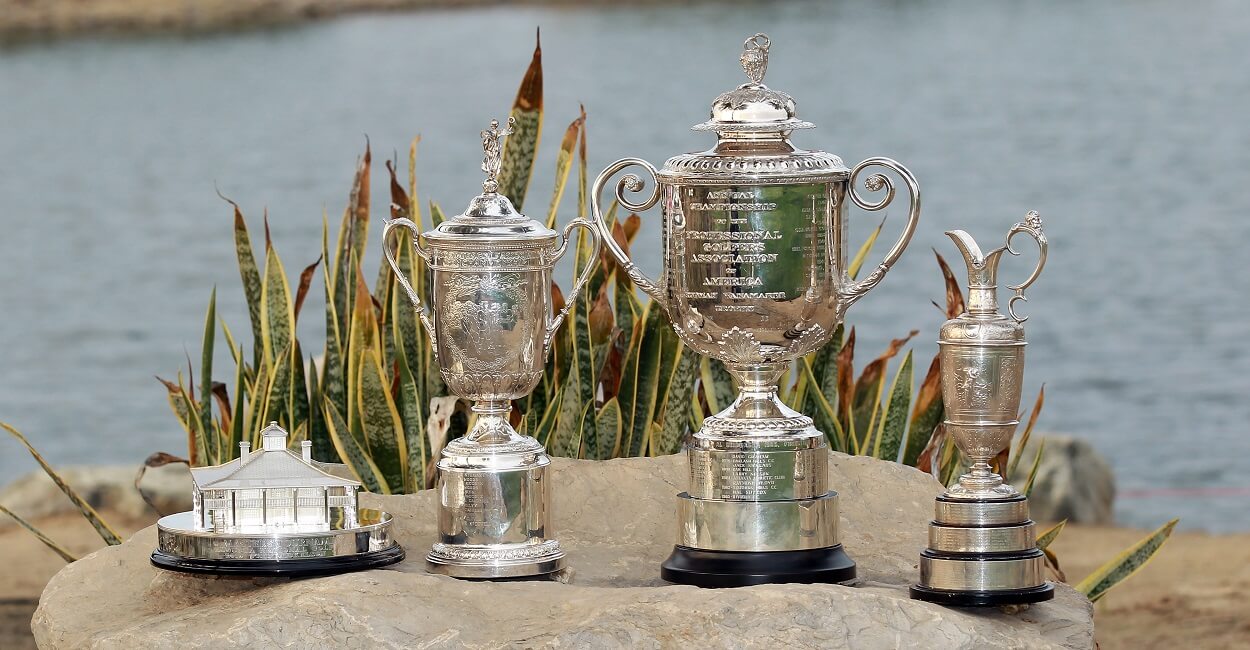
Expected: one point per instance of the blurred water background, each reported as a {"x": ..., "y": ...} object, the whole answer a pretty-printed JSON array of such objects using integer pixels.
[{"x": 1123, "y": 122}]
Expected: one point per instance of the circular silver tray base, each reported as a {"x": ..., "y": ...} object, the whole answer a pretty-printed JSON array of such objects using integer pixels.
[
  {"x": 180, "y": 547},
  {"x": 482, "y": 569}
]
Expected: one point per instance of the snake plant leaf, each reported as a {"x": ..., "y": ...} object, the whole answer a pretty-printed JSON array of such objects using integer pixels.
[
  {"x": 674, "y": 410},
  {"x": 181, "y": 404},
  {"x": 47, "y": 541},
  {"x": 1130, "y": 561},
  {"x": 860, "y": 255},
  {"x": 212, "y": 444},
  {"x": 362, "y": 338},
  {"x": 277, "y": 391},
  {"x": 954, "y": 296},
  {"x": 249, "y": 274},
  {"x": 379, "y": 417},
  {"x": 866, "y": 402},
  {"x": 1028, "y": 431},
  {"x": 1037, "y": 463},
  {"x": 519, "y": 149},
  {"x": 276, "y": 315},
  {"x": 411, "y": 417},
  {"x": 926, "y": 415},
  {"x": 547, "y": 423},
  {"x": 846, "y": 390},
  {"x": 564, "y": 164},
  {"x": 436, "y": 214},
  {"x": 350, "y": 451},
  {"x": 608, "y": 427},
  {"x": 930, "y": 459},
  {"x": 305, "y": 283},
  {"x": 583, "y": 176},
  {"x": 414, "y": 203},
  {"x": 1045, "y": 538},
  {"x": 889, "y": 436},
  {"x": 105, "y": 531},
  {"x": 640, "y": 379},
  {"x": 221, "y": 396},
  {"x": 333, "y": 380},
  {"x": 824, "y": 409},
  {"x": 297, "y": 397}
]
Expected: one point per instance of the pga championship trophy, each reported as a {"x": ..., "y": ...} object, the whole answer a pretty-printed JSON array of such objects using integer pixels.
[
  {"x": 982, "y": 545},
  {"x": 491, "y": 325},
  {"x": 755, "y": 275}
]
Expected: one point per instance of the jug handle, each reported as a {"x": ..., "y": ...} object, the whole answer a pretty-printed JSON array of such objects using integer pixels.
[
  {"x": 422, "y": 312},
  {"x": 1032, "y": 226},
  {"x": 628, "y": 183},
  {"x": 877, "y": 183},
  {"x": 582, "y": 277}
]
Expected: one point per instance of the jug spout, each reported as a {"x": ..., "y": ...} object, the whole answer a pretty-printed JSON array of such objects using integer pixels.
[{"x": 982, "y": 273}]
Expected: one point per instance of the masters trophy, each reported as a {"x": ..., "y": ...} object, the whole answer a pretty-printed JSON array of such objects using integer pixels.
[
  {"x": 982, "y": 545},
  {"x": 755, "y": 275},
  {"x": 491, "y": 326}
]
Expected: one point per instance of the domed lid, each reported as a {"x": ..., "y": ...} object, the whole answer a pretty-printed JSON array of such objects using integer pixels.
[
  {"x": 490, "y": 216},
  {"x": 753, "y": 107}
]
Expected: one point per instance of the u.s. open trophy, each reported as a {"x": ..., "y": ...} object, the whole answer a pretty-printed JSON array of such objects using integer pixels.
[
  {"x": 755, "y": 275},
  {"x": 982, "y": 546},
  {"x": 491, "y": 326}
]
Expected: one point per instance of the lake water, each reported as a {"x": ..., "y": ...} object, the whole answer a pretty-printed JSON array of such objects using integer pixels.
[{"x": 1123, "y": 122}]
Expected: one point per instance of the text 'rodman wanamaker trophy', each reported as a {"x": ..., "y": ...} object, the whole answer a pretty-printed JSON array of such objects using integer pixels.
[
  {"x": 491, "y": 325},
  {"x": 755, "y": 275},
  {"x": 982, "y": 545}
]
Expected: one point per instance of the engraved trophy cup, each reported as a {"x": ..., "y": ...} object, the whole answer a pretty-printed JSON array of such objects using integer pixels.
[
  {"x": 755, "y": 275},
  {"x": 982, "y": 546},
  {"x": 491, "y": 325}
]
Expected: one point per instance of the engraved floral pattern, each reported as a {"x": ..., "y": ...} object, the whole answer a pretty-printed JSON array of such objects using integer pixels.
[{"x": 740, "y": 346}]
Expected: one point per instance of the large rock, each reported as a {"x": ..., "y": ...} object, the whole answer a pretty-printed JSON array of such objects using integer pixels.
[
  {"x": 1073, "y": 481},
  {"x": 105, "y": 487},
  {"x": 616, "y": 520}
]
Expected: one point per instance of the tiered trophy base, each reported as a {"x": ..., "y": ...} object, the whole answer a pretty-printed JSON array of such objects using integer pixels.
[
  {"x": 703, "y": 568},
  {"x": 299, "y": 553},
  {"x": 495, "y": 562},
  {"x": 982, "y": 553}
]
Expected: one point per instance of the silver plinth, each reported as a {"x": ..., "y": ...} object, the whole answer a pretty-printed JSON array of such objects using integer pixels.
[
  {"x": 755, "y": 275},
  {"x": 491, "y": 326},
  {"x": 982, "y": 545}
]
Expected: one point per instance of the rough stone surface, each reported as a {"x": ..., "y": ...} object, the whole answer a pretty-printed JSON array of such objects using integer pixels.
[
  {"x": 616, "y": 520},
  {"x": 105, "y": 487},
  {"x": 1073, "y": 481}
]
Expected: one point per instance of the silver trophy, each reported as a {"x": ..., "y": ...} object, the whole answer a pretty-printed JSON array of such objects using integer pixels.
[
  {"x": 982, "y": 545},
  {"x": 755, "y": 275},
  {"x": 274, "y": 512},
  {"x": 491, "y": 326}
]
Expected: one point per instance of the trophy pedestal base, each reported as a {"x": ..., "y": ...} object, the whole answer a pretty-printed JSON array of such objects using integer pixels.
[
  {"x": 298, "y": 568},
  {"x": 703, "y": 568},
  {"x": 983, "y": 598},
  {"x": 487, "y": 563}
]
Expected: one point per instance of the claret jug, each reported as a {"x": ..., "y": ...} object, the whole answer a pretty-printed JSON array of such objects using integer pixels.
[
  {"x": 491, "y": 324},
  {"x": 755, "y": 275}
]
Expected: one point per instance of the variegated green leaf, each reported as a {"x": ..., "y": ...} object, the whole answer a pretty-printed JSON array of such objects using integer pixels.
[
  {"x": 1130, "y": 561},
  {"x": 889, "y": 437},
  {"x": 356, "y": 458},
  {"x": 677, "y": 401},
  {"x": 926, "y": 414},
  {"x": 608, "y": 426},
  {"x": 249, "y": 274},
  {"x": 1044, "y": 539},
  {"x": 379, "y": 417},
  {"x": 520, "y": 148}
]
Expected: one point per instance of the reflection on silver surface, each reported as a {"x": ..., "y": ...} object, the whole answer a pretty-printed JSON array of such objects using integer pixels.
[
  {"x": 790, "y": 525},
  {"x": 983, "y": 575},
  {"x": 755, "y": 275},
  {"x": 491, "y": 324}
]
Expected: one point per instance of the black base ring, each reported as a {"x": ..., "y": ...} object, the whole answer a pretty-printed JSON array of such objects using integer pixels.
[
  {"x": 984, "y": 598},
  {"x": 299, "y": 568},
  {"x": 703, "y": 568}
]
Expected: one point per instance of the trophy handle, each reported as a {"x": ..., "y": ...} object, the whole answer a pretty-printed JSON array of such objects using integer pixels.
[
  {"x": 877, "y": 183},
  {"x": 628, "y": 183},
  {"x": 1032, "y": 225},
  {"x": 422, "y": 312},
  {"x": 582, "y": 277}
]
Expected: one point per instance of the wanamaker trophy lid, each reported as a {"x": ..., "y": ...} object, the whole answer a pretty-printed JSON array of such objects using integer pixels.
[
  {"x": 753, "y": 123},
  {"x": 491, "y": 216}
]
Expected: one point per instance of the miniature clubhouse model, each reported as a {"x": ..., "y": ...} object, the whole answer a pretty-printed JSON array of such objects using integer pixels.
[{"x": 274, "y": 512}]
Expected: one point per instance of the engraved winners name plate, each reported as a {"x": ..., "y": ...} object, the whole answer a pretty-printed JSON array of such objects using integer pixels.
[
  {"x": 982, "y": 545},
  {"x": 755, "y": 275},
  {"x": 491, "y": 324},
  {"x": 272, "y": 512}
]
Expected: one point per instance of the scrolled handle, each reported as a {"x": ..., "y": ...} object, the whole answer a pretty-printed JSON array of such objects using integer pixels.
[
  {"x": 1032, "y": 226},
  {"x": 422, "y": 313},
  {"x": 628, "y": 183},
  {"x": 582, "y": 277},
  {"x": 878, "y": 183}
]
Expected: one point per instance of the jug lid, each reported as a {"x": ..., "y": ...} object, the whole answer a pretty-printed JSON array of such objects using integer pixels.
[
  {"x": 491, "y": 216},
  {"x": 753, "y": 107}
]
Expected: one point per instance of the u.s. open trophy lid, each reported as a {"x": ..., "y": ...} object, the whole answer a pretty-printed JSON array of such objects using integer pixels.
[{"x": 274, "y": 512}]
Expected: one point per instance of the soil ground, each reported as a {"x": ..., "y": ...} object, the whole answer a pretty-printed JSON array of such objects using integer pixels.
[{"x": 1194, "y": 594}]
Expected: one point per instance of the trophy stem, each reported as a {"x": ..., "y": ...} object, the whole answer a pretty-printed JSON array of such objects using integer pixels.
[
  {"x": 757, "y": 401},
  {"x": 492, "y": 423}
]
